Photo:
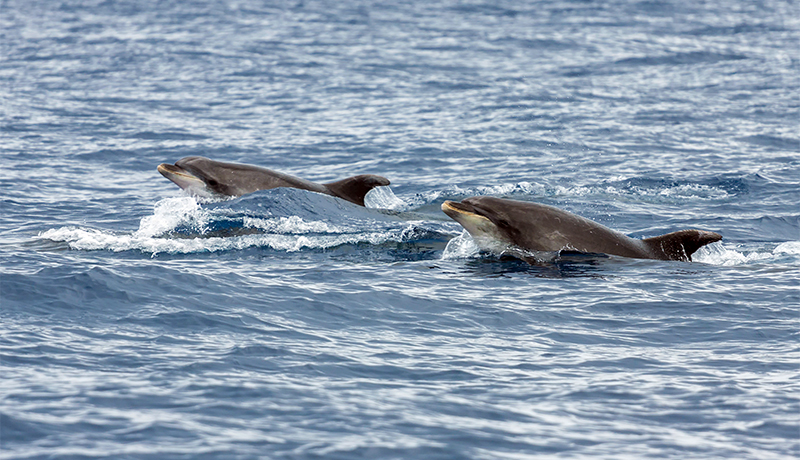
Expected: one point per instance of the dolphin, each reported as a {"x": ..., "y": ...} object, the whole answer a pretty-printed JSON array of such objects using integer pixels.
[
  {"x": 207, "y": 178},
  {"x": 497, "y": 223}
]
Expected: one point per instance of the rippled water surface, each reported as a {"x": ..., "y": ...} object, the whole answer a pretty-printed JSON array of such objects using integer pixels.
[{"x": 137, "y": 322}]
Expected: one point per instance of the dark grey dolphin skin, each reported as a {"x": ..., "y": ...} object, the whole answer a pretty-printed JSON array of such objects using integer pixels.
[
  {"x": 203, "y": 177},
  {"x": 537, "y": 227}
]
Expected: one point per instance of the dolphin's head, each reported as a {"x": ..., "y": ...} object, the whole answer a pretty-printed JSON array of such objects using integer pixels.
[
  {"x": 486, "y": 228},
  {"x": 201, "y": 177}
]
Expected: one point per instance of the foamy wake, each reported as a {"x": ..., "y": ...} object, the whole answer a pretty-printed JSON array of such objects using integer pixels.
[
  {"x": 384, "y": 198},
  {"x": 169, "y": 214},
  {"x": 461, "y": 247},
  {"x": 280, "y": 233},
  {"x": 719, "y": 254}
]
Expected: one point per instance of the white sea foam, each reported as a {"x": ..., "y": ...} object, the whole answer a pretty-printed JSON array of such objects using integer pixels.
[
  {"x": 384, "y": 198},
  {"x": 719, "y": 254},
  {"x": 520, "y": 188},
  {"x": 170, "y": 213},
  {"x": 509, "y": 189},
  {"x": 96, "y": 240},
  {"x": 291, "y": 225},
  {"x": 698, "y": 191},
  {"x": 289, "y": 234},
  {"x": 679, "y": 191},
  {"x": 789, "y": 247},
  {"x": 84, "y": 239},
  {"x": 695, "y": 191},
  {"x": 461, "y": 247}
]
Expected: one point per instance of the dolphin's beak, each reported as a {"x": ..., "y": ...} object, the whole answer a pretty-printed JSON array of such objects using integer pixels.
[
  {"x": 483, "y": 231},
  {"x": 182, "y": 178},
  {"x": 455, "y": 209},
  {"x": 466, "y": 215}
]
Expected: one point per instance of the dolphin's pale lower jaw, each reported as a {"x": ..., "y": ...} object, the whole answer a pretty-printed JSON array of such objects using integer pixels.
[
  {"x": 483, "y": 231},
  {"x": 192, "y": 184}
]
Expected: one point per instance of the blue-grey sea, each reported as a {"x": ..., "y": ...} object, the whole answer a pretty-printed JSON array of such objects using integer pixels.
[{"x": 137, "y": 322}]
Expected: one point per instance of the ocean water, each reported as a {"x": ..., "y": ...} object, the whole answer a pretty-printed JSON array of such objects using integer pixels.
[{"x": 139, "y": 323}]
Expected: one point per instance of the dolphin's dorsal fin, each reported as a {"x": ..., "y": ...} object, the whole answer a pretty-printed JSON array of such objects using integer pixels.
[
  {"x": 680, "y": 245},
  {"x": 353, "y": 189}
]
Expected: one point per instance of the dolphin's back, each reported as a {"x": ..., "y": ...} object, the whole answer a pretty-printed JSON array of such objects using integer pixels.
[
  {"x": 539, "y": 227},
  {"x": 235, "y": 179}
]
